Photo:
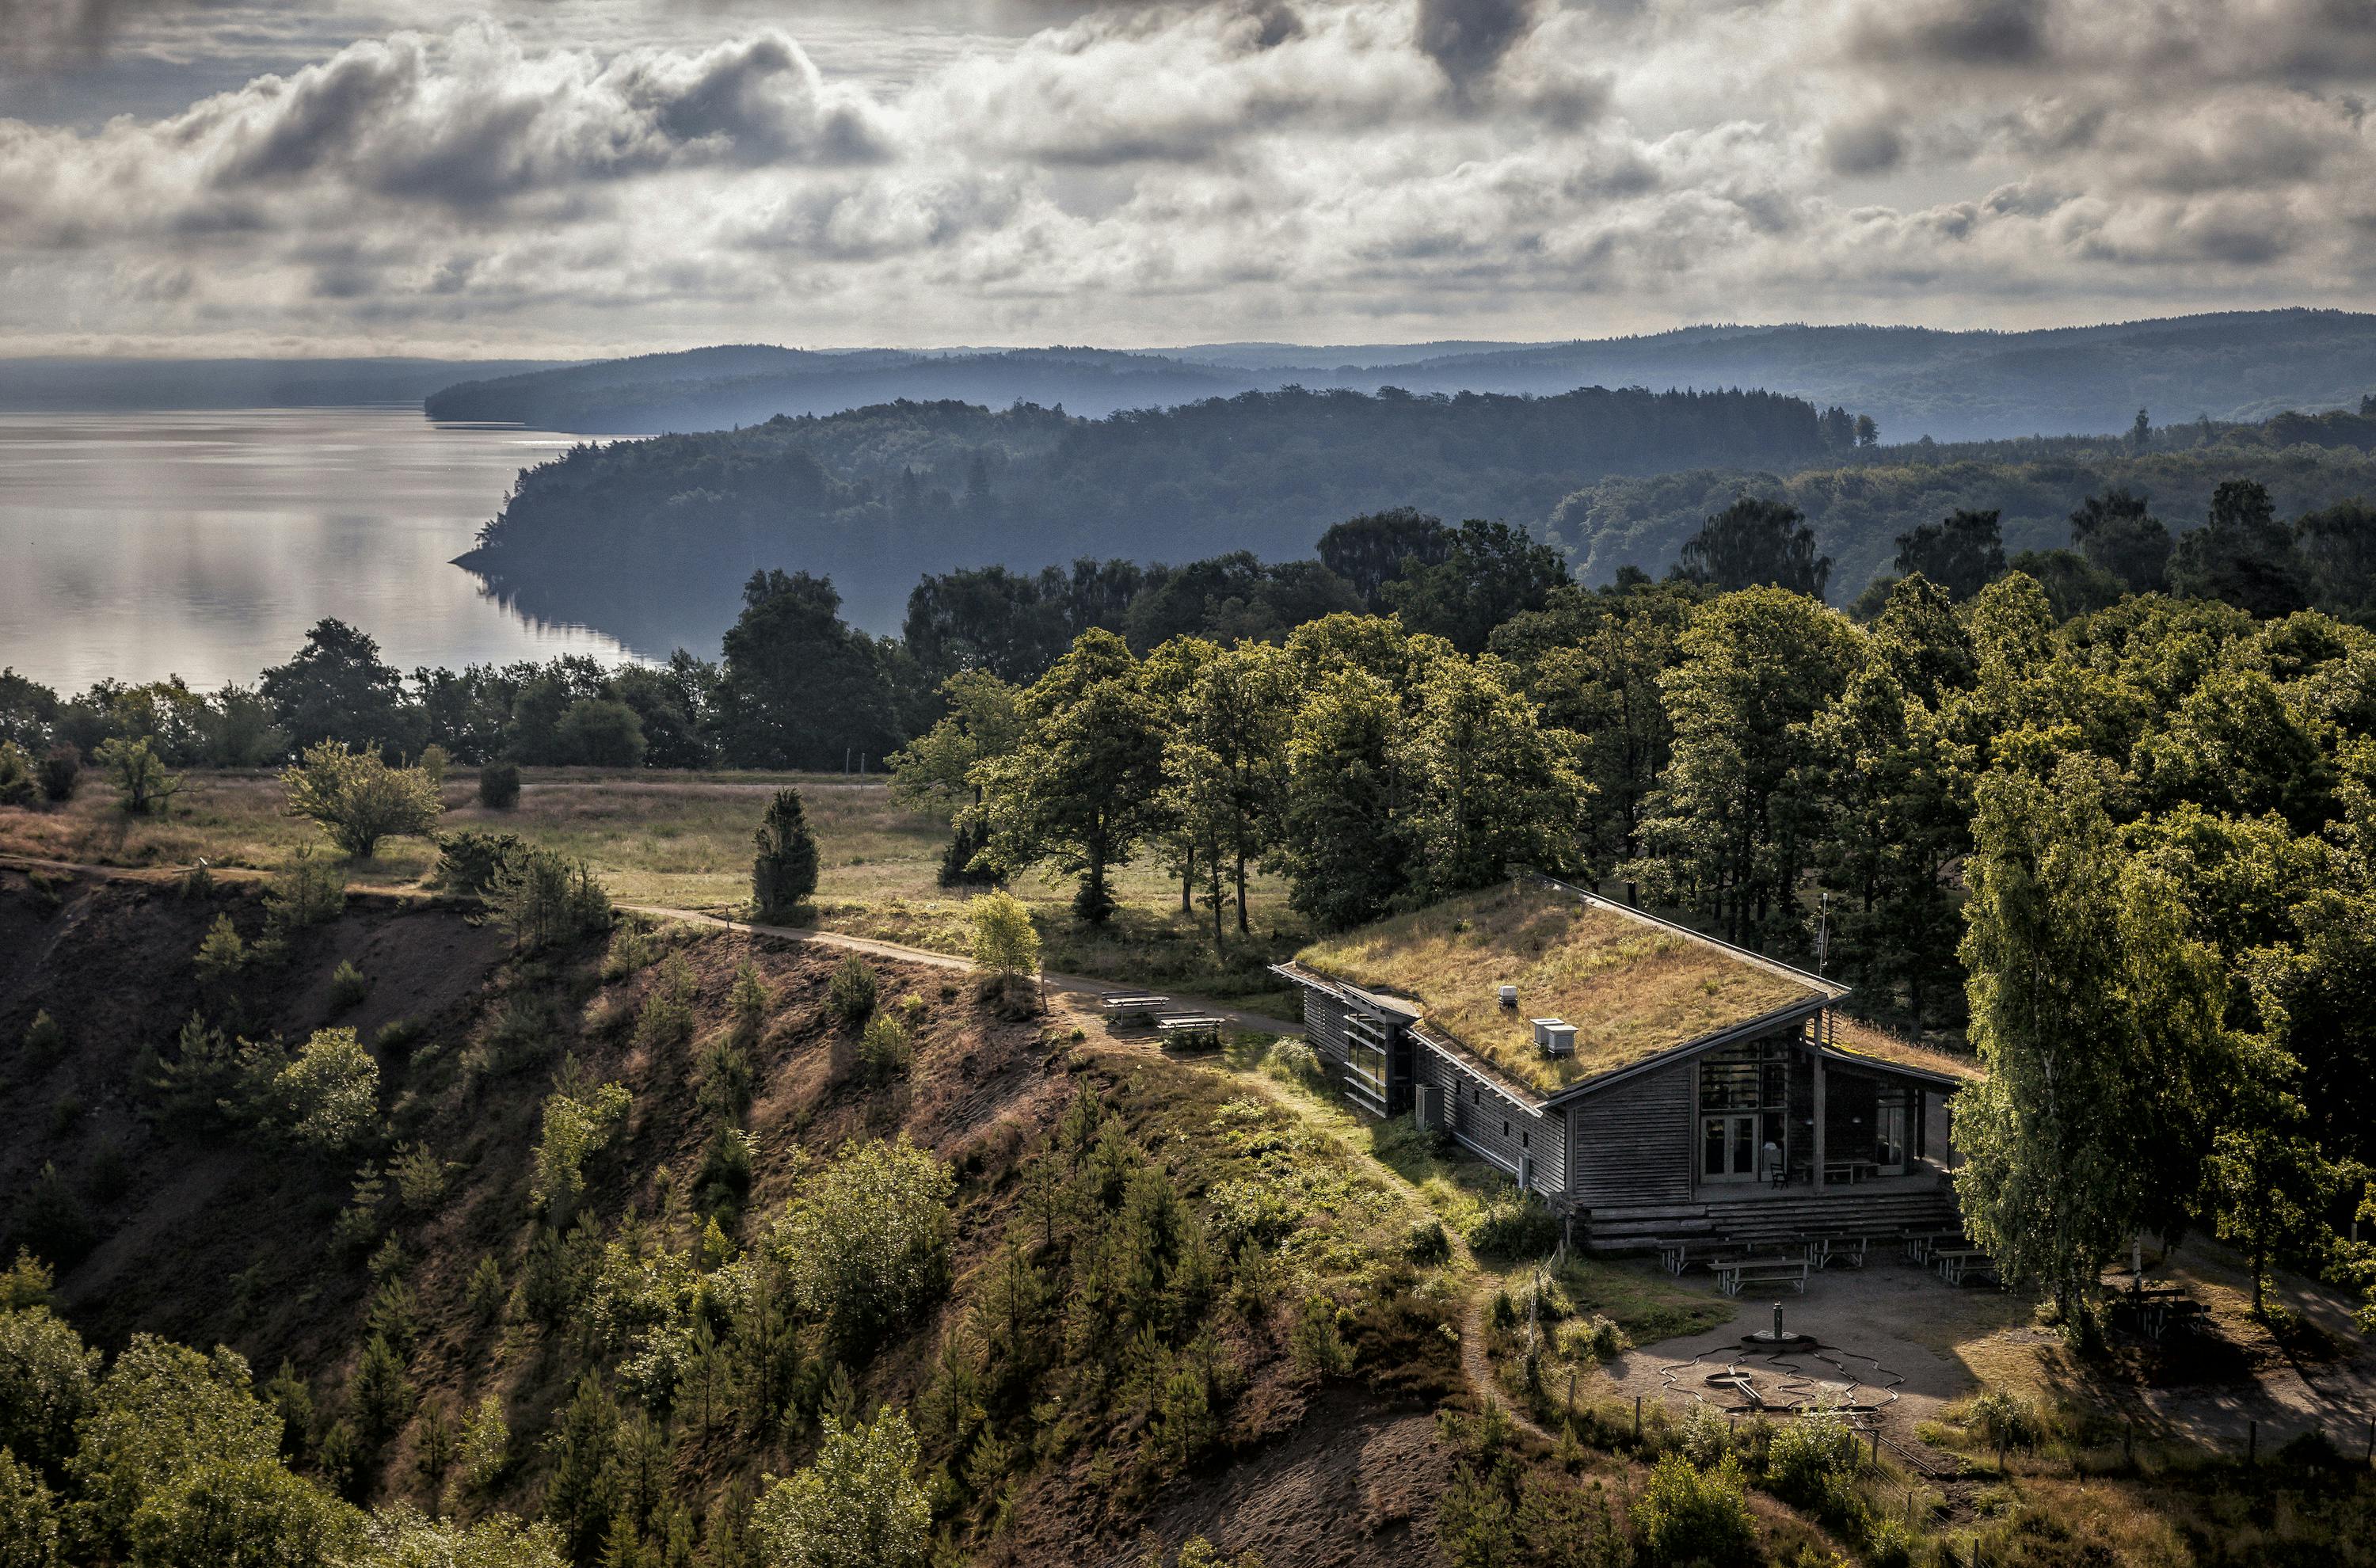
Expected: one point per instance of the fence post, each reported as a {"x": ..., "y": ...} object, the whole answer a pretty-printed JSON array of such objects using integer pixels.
[{"x": 1637, "y": 1418}]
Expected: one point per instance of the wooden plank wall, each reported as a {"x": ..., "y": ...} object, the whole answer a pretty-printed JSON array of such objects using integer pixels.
[
  {"x": 1323, "y": 1022},
  {"x": 1632, "y": 1141},
  {"x": 1505, "y": 1129}
]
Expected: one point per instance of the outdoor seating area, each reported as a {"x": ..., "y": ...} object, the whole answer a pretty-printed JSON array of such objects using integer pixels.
[
  {"x": 1739, "y": 1261},
  {"x": 2155, "y": 1311},
  {"x": 1133, "y": 1006},
  {"x": 1185, "y": 1030}
]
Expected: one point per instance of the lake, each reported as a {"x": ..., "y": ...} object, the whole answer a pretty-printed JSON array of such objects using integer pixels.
[{"x": 204, "y": 543}]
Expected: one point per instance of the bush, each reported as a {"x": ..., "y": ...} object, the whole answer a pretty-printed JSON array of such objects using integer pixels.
[
  {"x": 665, "y": 1022},
  {"x": 50, "y": 1221},
  {"x": 1811, "y": 1460},
  {"x": 860, "y": 1502},
  {"x": 17, "y": 785},
  {"x": 1519, "y": 1227},
  {"x": 1428, "y": 1244},
  {"x": 45, "y": 1041},
  {"x": 959, "y": 869},
  {"x": 348, "y": 986},
  {"x": 851, "y": 995},
  {"x": 539, "y": 897},
  {"x": 499, "y": 785},
  {"x": 784, "y": 871},
  {"x": 580, "y": 1119},
  {"x": 326, "y": 1100},
  {"x": 61, "y": 771},
  {"x": 2003, "y": 1420},
  {"x": 883, "y": 1051},
  {"x": 866, "y": 1242},
  {"x": 467, "y": 861},
  {"x": 358, "y": 800},
  {"x": 1686, "y": 1515},
  {"x": 143, "y": 787},
  {"x": 722, "y": 1077},
  {"x": 1594, "y": 1338},
  {"x": 723, "y": 1180},
  {"x": 633, "y": 948},
  {"x": 600, "y": 732},
  {"x": 1006, "y": 942},
  {"x": 308, "y": 891}
]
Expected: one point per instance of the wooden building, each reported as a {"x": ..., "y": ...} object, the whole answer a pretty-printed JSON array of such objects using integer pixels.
[{"x": 1647, "y": 1080}]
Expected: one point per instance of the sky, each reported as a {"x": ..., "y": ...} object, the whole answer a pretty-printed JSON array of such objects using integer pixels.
[{"x": 569, "y": 177}]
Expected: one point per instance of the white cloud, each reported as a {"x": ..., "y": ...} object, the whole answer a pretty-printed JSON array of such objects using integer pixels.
[{"x": 1154, "y": 171}]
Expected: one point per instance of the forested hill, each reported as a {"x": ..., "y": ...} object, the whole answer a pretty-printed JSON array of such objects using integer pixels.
[
  {"x": 1915, "y": 381},
  {"x": 653, "y": 539}
]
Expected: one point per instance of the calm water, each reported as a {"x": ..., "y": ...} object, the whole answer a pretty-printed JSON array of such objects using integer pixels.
[{"x": 204, "y": 545}]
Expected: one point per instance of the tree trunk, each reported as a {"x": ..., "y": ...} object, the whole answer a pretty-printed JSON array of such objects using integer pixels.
[{"x": 1242, "y": 928}]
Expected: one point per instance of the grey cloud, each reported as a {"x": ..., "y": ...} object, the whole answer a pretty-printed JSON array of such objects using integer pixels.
[
  {"x": 1863, "y": 146},
  {"x": 40, "y": 31},
  {"x": 1958, "y": 32},
  {"x": 1468, "y": 38}
]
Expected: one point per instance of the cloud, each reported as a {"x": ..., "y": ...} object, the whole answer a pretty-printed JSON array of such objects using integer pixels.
[{"x": 1152, "y": 172}]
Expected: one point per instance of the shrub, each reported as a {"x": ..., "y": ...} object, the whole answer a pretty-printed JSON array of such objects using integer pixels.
[
  {"x": 784, "y": 870},
  {"x": 46, "y": 1386},
  {"x": 143, "y": 787},
  {"x": 2003, "y": 1420},
  {"x": 50, "y": 1221},
  {"x": 45, "y": 1041},
  {"x": 61, "y": 771},
  {"x": 600, "y": 732},
  {"x": 579, "y": 1121},
  {"x": 1811, "y": 1461},
  {"x": 665, "y": 1021},
  {"x": 327, "y": 1098},
  {"x": 722, "y": 1077},
  {"x": 1706, "y": 1438},
  {"x": 723, "y": 1180},
  {"x": 1428, "y": 1244},
  {"x": 420, "y": 1178},
  {"x": 468, "y": 861},
  {"x": 1315, "y": 1342},
  {"x": 851, "y": 995},
  {"x": 499, "y": 785},
  {"x": 487, "y": 1290},
  {"x": 883, "y": 1051},
  {"x": 380, "y": 1392},
  {"x": 1687, "y": 1514},
  {"x": 1595, "y": 1338},
  {"x": 748, "y": 1003},
  {"x": 308, "y": 891},
  {"x": 1519, "y": 1227},
  {"x": 486, "y": 1447},
  {"x": 1005, "y": 942},
  {"x": 17, "y": 785},
  {"x": 633, "y": 948},
  {"x": 348, "y": 986},
  {"x": 860, "y": 1502},
  {"x": 358, "y": 800},
  {"x": 539, "y": 897},
  {"x": 434, "y": 762},
  {"x": 866, "y": 1242},
  {"x": 221, "y": 955}
]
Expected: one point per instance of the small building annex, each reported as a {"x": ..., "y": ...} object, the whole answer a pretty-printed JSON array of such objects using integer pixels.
[{"x": 1647, "y": 1080}]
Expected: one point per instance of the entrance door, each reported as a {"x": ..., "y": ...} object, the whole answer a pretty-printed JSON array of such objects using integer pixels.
[
  {"x": 1889, "y": 1136},
  {"x": 1729, "y": 1149}
]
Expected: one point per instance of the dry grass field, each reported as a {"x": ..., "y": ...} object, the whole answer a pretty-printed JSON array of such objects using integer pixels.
[{"x": 682, "y": 840}]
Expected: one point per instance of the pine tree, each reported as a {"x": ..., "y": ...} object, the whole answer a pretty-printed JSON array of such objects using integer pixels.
[{"x": 784, "y": 871}]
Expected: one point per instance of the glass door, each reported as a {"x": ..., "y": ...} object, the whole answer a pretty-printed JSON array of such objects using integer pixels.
[
  {"x": 1889, "y": 1136},
  {"x": 1729, "y": 1149}
]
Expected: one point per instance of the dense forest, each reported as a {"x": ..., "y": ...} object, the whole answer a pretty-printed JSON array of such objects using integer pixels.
[
  {"x": 1949, "y": 385},
  {"x": 659, "y": 535}
]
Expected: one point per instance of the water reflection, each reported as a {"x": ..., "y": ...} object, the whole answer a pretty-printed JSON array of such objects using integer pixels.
[{"x": 204, "y": 543}]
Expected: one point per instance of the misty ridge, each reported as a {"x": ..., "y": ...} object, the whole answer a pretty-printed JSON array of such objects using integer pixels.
[{"x": 1913, "y": 381}]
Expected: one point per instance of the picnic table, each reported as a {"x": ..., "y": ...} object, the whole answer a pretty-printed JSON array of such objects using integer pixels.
[
  {"x": 1675, "y": 1252},
  {"x": 1956, "y": 1265},
  {"x": 1854, "y": 1170},
  {"x": 2158, "y": 1309},
  {"x": 1191, "y": 1027},
  {"x": 1826, "y": 1251},
  {"x": 1919, "y": 1244},
  {"x": 1734, "y": 1273},
  {"x": 1133, "y": 1005}
]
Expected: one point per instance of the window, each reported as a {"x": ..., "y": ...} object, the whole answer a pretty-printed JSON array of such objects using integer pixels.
[
  {"x": 1506, "y": 1126},
  {"x": 1526, "y": 1140}
]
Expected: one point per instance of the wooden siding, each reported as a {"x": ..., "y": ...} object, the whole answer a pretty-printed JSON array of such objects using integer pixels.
[
  {"x": 1632, "y": 1141},
  {"x": 1323, "y": 1022},
  {"x": 1495, "y": 1124}
]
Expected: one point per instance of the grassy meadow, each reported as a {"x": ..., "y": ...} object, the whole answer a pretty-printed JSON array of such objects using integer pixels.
[{"x": 682, "y": 840}]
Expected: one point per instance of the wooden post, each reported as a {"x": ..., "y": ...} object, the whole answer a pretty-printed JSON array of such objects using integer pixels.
[
  {"x": 1818, "y": 1052},
  {"x": 1876, "y": 1447},
  {"x": 1637, "y": 1418}
]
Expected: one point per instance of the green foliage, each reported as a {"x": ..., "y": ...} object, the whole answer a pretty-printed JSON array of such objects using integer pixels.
[
  {"x": 486, "y": 1451},
  {"x": 1428, "y": 1244},
  {"x": 580, "y": 1119},
  {"x": 724, "y": 1177},
  {"x": 221, "y": 957},
  {"x": 784, "y": 867},
  {"x": 865, "y": 1241},
  {"x": 600, "y": 732},
  {"x": 326, "y": 1099},
  {"x": 540, "y": 897},
  {"x": 348, "y": 985},
  {"x": 499, "y": 785},
  {"x": 27, "y": 1282},
  {"x": 380, "y": 1392},
  {"x": 851, "y": 995},
  {"x": 358, "y": 800},
  {"x": 307, "y": 890},
  {"x": 46, "y": 1379},
  {"x": 1516, "y": 1226},
  {"x": 45, "y": 1041},
  {"x": 665, "y": 1021},
  {"x": 403, "y": 1537},
  {"x": 1685, "y": 1514},
  {"x": 28, "y": 1516},
  {"x": 1811, "y": 1461},
  {"x": 243, "y": 1513},
  {"x": 884, "y": 1050},
  {"x": 468, "y": 861},
  {"x": 162, "y": 1416},
  {"x": 50, "y": 1219},
  {"x": 858, "y": 1505},
  {"x": 143, "y": 787},
  {"x": 486, "y": 1291},
  {"x": 61, "y": 771},
  {"x": 1005, "y": 942},
  {"x": 19, "y": 787}
]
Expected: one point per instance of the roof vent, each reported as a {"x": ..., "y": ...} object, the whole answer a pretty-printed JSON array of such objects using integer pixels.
[
  {"x": 1555, "y": 1037},
  {"x": 1509, "y": 996}
]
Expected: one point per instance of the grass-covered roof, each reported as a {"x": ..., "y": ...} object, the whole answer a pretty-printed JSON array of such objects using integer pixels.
[{"x": 1633, "y": 988}]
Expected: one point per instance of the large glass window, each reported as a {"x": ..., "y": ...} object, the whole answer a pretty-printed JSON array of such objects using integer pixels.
[
  {"x": 1365, "y": 1060},
  {"x": 1744, "y": 1092}
]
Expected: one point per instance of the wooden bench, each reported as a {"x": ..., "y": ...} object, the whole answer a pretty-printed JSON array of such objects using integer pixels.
[
  {"x": 1920, "y": 1243},
  {"x": 1734, "y": 1275},
  {"x": 1133, "y": 1007},
  {"x": 1826, "y": 1251},
  {"x": 1675, "y": 1252}
]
